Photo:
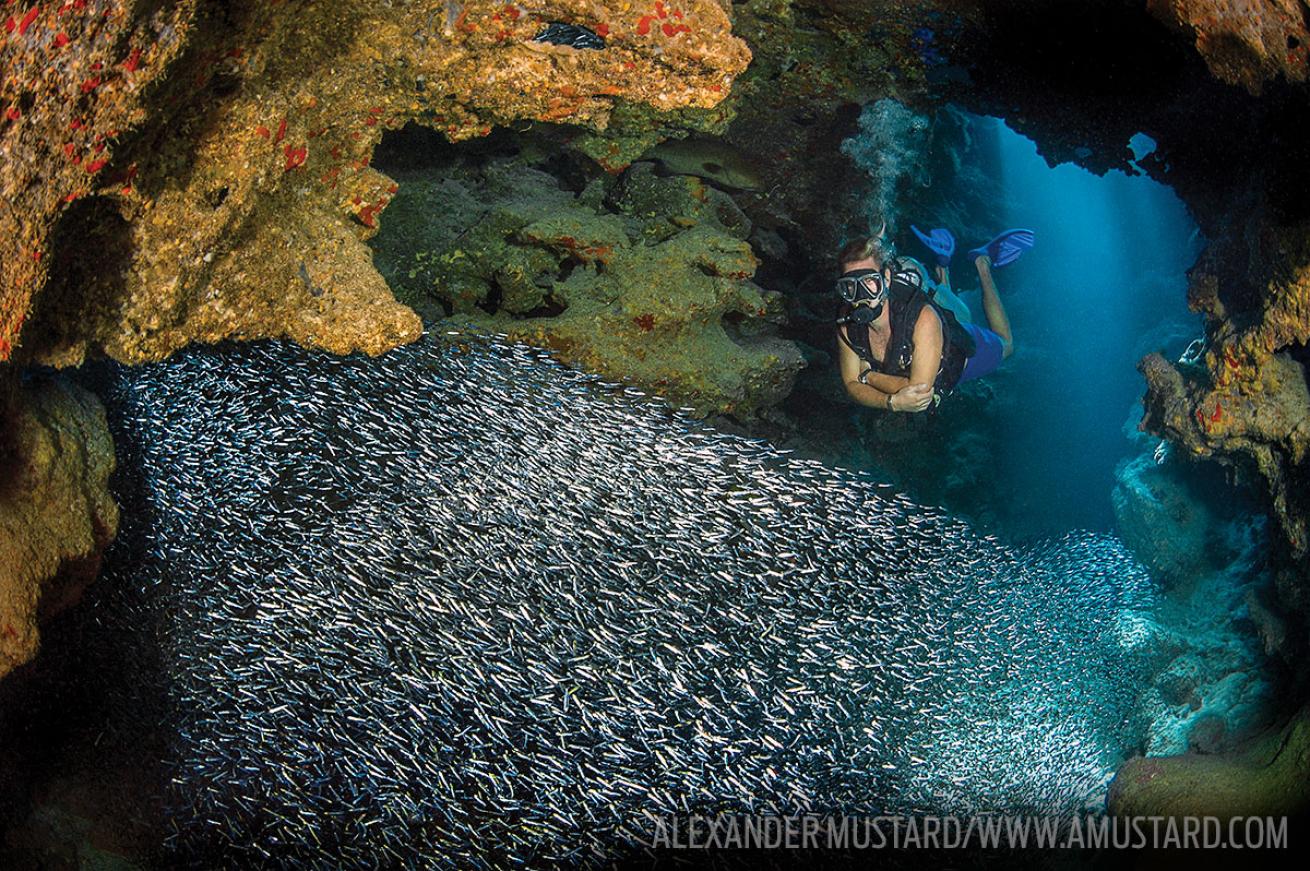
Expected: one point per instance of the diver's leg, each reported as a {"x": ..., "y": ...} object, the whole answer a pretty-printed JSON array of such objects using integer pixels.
[
  {"x": 946, "y": 298},
  {"x": 992, "y": 307}
]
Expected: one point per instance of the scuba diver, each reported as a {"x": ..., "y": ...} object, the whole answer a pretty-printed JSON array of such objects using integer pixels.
[{"x": 907, "y": 341}]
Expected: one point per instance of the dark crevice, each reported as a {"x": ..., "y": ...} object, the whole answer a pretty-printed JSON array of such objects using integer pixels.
[
  {"x": 224, "y": 83},
  {"x": 1300, "y": 352},
  {"x": 216, "y": 197},
  {"x": 82, "y": 289},
  {"x": 552, "y": 306},
  {"x": 491, "y": 304},
  {"x": 731, "y": 323},
  {"x": 573, "y": 175},
  {"x": 566, "y": 267},
  {"x": 9, "y": 447},
  {"x": 416, "y": 147}
]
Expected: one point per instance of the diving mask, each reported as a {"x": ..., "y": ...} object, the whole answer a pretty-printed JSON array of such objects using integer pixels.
[
  {"x": 861, "y": 285},
  {"x": 864, "y": 288}
]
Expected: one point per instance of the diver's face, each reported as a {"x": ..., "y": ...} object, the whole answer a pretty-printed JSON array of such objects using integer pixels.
[{"x": 864, "y": 286}]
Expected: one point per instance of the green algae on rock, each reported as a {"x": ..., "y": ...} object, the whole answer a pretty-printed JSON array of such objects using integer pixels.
[
  {"x": 1265, "y": 777},
  {"x": 656, "y": 317},
  {"x": 649, "y": 284}
]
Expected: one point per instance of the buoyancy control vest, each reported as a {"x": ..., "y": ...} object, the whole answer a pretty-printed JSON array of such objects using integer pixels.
[{"x": 905, "y": 300}]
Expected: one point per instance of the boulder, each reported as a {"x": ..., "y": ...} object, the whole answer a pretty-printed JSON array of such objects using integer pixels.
[{"x": 56, "y": 512}]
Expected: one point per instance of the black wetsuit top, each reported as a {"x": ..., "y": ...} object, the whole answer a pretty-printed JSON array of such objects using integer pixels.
[{"x": 905, "y": 300}]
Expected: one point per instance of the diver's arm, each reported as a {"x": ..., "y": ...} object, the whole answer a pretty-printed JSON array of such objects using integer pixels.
[
  {"x": 927, "y": 347},
  {"x": 878, "y": 388},
  {"x": 889, "y": 384},
  {"x": 927, "y": 358}
]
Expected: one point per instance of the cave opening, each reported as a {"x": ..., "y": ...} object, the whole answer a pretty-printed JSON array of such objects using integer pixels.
[
  {"x": 1032, "y": 449},
  {"x": 1105, "y": 286}
]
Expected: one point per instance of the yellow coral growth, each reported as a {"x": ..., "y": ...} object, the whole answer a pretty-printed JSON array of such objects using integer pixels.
[
  {"x": 1244, "y": 42},
  {"x": 213, "y": 181}
]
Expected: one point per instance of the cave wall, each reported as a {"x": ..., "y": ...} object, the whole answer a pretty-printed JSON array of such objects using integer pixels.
[
  {"x": 1243, "y": 43},
  {"x": 56, "y": 513}
]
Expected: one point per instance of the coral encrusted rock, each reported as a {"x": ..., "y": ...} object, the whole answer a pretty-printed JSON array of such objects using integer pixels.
[
  {"x": 1244, "y": 42},
  {"x": 56, "y": 514},
  {"x": 1183, "y": 520},
  {"x": 1247, "y": 394},
  {"x": 199, "y": 170},
  {"x": 649, "y": 284},
  {"x": 657, "y": 317}
]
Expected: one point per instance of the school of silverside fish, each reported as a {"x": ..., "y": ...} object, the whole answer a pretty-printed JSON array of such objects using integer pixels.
[{"x": 462, "y": 606}]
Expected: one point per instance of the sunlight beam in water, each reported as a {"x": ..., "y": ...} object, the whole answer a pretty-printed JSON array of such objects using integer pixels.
[{"x": 1104, "y": 285}]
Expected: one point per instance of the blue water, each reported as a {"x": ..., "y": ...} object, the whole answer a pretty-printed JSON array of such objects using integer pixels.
[{"x": 1105, "y": 284}]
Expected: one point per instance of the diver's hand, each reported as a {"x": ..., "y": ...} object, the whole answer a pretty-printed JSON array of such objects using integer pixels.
[{"x": 912, "y": 398}]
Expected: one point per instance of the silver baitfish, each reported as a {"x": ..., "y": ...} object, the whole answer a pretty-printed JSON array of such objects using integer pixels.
[
  {"x": 571, "y": 35},
  {"x": 461, "y": 606}
]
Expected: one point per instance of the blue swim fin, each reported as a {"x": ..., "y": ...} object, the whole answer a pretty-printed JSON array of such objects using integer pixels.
[
  {"x": 1006, "y": 248},
  {"x": 940, "y": 242}
]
